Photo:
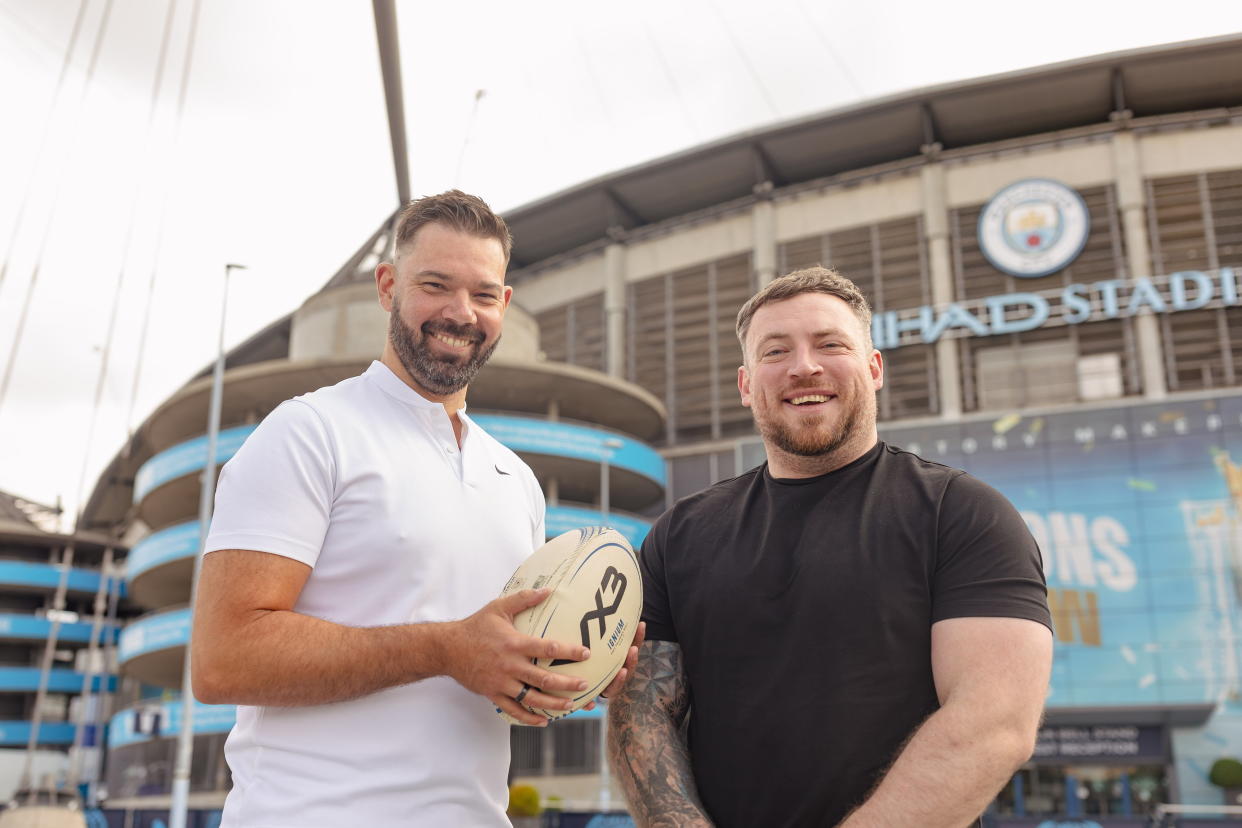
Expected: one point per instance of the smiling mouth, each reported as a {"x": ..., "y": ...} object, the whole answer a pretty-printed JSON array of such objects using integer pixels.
[
  {"x": 809, "y": 400},
  {"x": 452, "y": 340}
]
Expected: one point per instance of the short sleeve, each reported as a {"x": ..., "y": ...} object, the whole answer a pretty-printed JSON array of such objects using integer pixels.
[
  {"x": 987, "y": 562},
  {"x": 275, "y": 495},
  {"x": 656, "y": 610}
]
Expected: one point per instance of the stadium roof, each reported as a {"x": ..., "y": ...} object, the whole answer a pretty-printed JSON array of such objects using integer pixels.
[{"x": 1177, "y": 78}]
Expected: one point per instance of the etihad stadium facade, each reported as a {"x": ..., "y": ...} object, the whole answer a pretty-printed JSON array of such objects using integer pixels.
[{"x": 1055, "y": 260}]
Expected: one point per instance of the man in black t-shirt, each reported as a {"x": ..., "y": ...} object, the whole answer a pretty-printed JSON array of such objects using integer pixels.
[{"x": 857, "y": 636}]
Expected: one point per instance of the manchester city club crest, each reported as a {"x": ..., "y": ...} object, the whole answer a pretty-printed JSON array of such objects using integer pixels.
[{"x": 1033, "y": 227}]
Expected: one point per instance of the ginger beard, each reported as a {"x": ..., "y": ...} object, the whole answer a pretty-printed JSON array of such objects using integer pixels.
[
  {"x": 440, "y": 375},
  {"x": 815, "y": 435}
]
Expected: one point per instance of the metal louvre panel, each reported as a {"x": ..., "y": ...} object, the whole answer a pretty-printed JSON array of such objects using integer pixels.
[
  {"x": 1196, "y": 343},
  {"x": 976, "y": 277},
  {"x": 553, "y": 339},
  {"x": 1178, "y": 242},
  {"x": 852, "y": 256},
  {"x": 734, "y": 285},
  {"x": 799, "y": 253},
  {"x": 909, "y": 372},
  {"x": 692, "y": 354},
  {"x": 1103, "y": 258},
  {"x": 588, "y": 333},
  {"x": 647, "y": 302},
  {"x": 902, "y": 279},
  {"x": 1225, "y": 192}
]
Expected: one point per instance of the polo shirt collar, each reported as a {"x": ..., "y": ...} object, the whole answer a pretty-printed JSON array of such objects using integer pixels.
[{"x": 392, "y": 385}]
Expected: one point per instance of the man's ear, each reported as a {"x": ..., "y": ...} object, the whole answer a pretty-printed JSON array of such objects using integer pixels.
[
  {"x": 743, "y": 384},
  {"x": 877, "y": 369},
  {"x": 385, "y": 283}
]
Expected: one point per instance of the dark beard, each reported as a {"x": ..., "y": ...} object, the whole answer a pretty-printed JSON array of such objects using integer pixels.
[
  {"x": 810, "y": 445},
  {"x": 437, "y": 375}
]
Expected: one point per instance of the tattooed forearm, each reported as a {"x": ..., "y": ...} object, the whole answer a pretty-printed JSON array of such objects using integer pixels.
[{"x": 645, "y": 745}]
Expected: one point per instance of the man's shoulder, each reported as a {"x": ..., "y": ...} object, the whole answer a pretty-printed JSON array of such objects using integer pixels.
[
  {"x": 347, "y": 393},
  {"x": 707, "y": 503},
  {"x": 902, "y": 459},
  {"x": 953, "y": 485}
]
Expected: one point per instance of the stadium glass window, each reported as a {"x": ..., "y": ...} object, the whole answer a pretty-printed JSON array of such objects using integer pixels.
[
  {"x": 526, "y": 746},
  {"x": 1011, "y": 377},
  {"x": 690, "y": 474},
  {"x": 575, "y": 746}
]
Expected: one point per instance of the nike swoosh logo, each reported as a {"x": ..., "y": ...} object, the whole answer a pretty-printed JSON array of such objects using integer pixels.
[{"x": 499, "y": 470}]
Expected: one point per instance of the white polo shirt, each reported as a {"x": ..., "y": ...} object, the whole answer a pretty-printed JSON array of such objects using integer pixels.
[{"x": 364, "y": 482}]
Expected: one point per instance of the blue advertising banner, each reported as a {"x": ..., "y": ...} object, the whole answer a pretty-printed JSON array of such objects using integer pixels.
[
  {"x": 158, "y": 548},
  {"x": 13, "y": 734},
  {"x": 187, "y": 457},
  {"x": 577, "y": 441},
  {"x": 1137, "y": 512},
  {"x": 561, "y": 519},
  {"x": 163, "y": 720},
  {"x": 155, "y": 632},
  {"x": 59, "y": 680},
  {"x": 47, "y": 576},
  {"x": 29, "y": 627}
]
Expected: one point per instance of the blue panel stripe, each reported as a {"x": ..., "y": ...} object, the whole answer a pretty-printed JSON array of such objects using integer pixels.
[
  {"x": 187, "y": 457},
  {"x": 165, "y": 717},
  {"x": 561, "y": 519},
  {"x": 577, "y": 441},
  {"x": 13, "y": 733},
  {"x": 155, "y": 632},
  {"x": 13, "y": 625},
  {"x": 47, "y": 576},
  {"x": 21, "y": 679},
  {"x": 167, "y": 545}
]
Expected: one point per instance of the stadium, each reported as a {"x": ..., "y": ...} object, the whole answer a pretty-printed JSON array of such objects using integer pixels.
[
  {"x": 61, "y": 597},
  {"x": 1054, "y": 258}
]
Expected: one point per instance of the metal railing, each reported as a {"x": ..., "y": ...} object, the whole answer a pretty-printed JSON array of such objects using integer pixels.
[{"x": 1165, "y": 815}]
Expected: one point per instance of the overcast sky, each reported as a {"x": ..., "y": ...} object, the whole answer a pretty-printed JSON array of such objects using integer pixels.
[{"x": 280, "y": 158}]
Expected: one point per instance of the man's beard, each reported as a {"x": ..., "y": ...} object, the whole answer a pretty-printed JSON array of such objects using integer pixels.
[
  {"x": 810, "y": 440},
  {"x": 438, "y": 375}
]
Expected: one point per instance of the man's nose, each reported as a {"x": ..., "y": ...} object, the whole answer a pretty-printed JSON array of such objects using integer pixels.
[
  {"x": 804, "y": 363},
  {"x": 459, "y": 309}
]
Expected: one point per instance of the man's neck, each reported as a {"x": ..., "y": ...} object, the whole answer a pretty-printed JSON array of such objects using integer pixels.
[
  {"x": 453, "y": 403},
  {"x": 782, "y": 464}
]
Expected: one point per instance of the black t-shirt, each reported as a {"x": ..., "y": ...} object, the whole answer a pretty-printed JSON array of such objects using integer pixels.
[{"x": 803, "y": 609}]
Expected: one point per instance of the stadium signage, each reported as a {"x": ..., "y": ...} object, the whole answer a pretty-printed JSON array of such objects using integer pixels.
[
  {"x": 1033, "y": 227},
  {"x": 1141, "y": 742},
  {"x": 1016, "y": 312}
]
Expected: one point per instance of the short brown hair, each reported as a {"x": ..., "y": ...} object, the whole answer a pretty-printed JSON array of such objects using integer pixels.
[
  {"x": 462, "y": 212},
  {"x": 808, "y": 280}
]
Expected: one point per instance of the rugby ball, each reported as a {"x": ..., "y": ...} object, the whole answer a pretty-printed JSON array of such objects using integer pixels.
[{"x": 596, "y": 599}]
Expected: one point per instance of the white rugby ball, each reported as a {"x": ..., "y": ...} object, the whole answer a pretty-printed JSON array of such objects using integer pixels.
[{"x": 596, "y": 600}]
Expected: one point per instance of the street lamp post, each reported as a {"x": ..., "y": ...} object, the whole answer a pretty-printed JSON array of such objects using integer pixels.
[
  {"x": 610, "y": 445},
  {"x": 185, "y": 735}
]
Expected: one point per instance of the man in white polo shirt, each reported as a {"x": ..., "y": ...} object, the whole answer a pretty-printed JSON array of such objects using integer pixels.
[{"x": 359, "y": 538}]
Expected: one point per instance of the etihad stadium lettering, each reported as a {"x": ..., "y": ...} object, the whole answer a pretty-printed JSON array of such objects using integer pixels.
[{"x": 1071, "y": 305}]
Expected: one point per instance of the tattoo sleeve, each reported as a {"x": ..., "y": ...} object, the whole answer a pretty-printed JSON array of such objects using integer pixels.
[{"x": 645, "y": 743}]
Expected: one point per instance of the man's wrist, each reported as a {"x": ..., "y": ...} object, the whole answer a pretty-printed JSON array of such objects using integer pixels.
[{"x": 432, "y": 640}]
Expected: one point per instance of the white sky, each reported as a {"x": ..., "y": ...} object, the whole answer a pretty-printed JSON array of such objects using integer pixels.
[{"x": 282, "y": 161}]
